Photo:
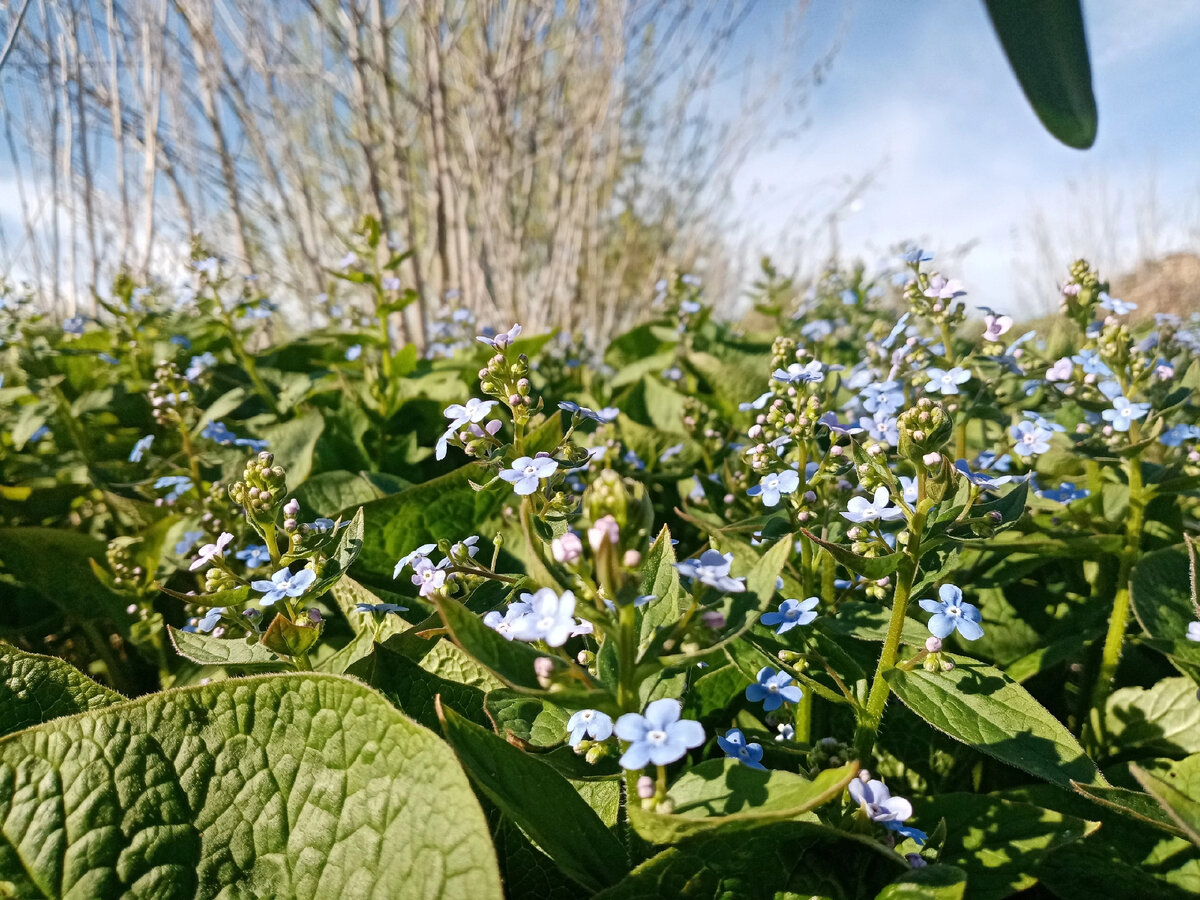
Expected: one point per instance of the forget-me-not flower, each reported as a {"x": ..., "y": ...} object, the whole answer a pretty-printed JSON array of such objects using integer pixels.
[
  {"x": 874, "y": 798},
  {"x": 1061, "y": 370},
  {"x": 980, "y": 479},
  {"x": 812, "y": 372},
  {"x": 1064, "y": 493},
  {"x": 551, "y": 618},
  {"x": 772, "y": 689},
  {"x": 1123, "y": 413},
  {"x": 734, "y": 745},
  {"x": 994, "y": 326},
  {"x": 179, "y": 485},
  {"x": 284, "y": 584},
  {"x": 380, "y": 608},
  {"x": 210, "y": 553},
  {"x": 504, "y": 624},
  {"x": 790, "y": 614},
  {"x": 1193, "y": 631},
  {"x": 772, "y": 485},
  {"x": 881, "y": 428},
  {"x": 952, "y": 612},
  {"x": 658, "y": 736},
  {"x": 860, "y": 509},
  {"x": 1031, "y": 438},
  {"x": 942, "y": 288},
  {"x": 946, "y": 382},
  {"x": 500, "y": 341},
  {"x": 140, "y": 448},
  {"x": 1177, "y": 434},
  {"x": 190, "y": 540},
  {"x": 1115, "y": 306},
  {"x": 712, "y": 569},
  {"x": 527, "y": 472},
  {"x": 590, "y": 722},
  {"x": 254, "y": 555}
]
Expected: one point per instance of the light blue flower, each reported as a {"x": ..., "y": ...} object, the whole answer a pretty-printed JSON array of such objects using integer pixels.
[
  {"x": 526, "y": 473},
  {"x": 550, "y": 618},
  {"x": 140, "y": 448},
  {"x": 1062, "y": 370},
  {"x": 590, "y": 722},
  {"x": 74, "y": 325},
  {"x": 757, "y": 403},
  {"x": 199, "y": 365},
  {"x": 473, "y": 411},
  {"x": 772, "y": 689},
  {"x": 878, "y": 508},
  {"x": 254, "y": 555},
  {"x": 712, "y": 569},
  {"x": 1177, "y": 434},
  {"x": 411, "y": 559},
  {"x": 979, "y": 479},
  {"x": 734, "y": 745},
  {"x": 946, "y": 382},
  {"x": 1031, "y": 438},
  {"x": 603, "y": 416},
  {"x": 915, "y": 256},
  {"x": 180, "y": 341},
  {"x": 284, "y": 584},
  {"x": 505, "y": 623},
  {"x": 882, "y": 397},
  {"x": 658, "y": 736},
  {"x": 791, "y": 613},
  {"x": 1091, "y": 362},
  {"x": 877, "y": 802},
  {"x": 219, "y": 432},
  {"x": 190, "y": 540},
  {"x": 1113, "y": 305},
  {"x": 353, "y": 352},
  {"x": 812, "y": 372},
  {"x": 211, "y": 618},
  {"x": 942, "y": 288},
  {"x": 830, "y": 421},
  {"x": 1123, "y": 413},
  {"x": 881, "y": 428},
  {"x": 896, "y": 331},
  {"x": 500, "y": 341},
  {"x": 952, "y": 612},
  {"x": 773, "y": 485},
  {"x": 1064, "y": 493},
  {"x": 179, "y": 485},
  {"x": 1193, "y": 631}
]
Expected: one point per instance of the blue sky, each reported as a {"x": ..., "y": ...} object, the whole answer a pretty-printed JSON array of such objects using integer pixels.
[{"x": 921, "y": 95}]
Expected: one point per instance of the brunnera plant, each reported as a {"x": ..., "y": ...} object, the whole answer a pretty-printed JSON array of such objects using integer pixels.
[{"x": 866, "y": 601}]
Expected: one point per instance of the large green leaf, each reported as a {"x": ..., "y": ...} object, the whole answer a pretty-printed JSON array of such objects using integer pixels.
[
  {"x": 278, "y": 785},
  {"x": 997, "y": 842},
  {"x": 56, "y": 563},
  {"x": 36, "y": 689},
  {"x": 940, "y": 882},
  {"x": 723, "y": 793},
  {"x": 1162, "y": 594},
  {"x": 1046, "y": 46},
  {"x": 413, "y": 690},
  {"x": 542, "y": 802},
  {"x": 660, "y": 579},
  {"x": 530, "y": 720},
  {"x": 1163, "y": 720},
  {"x": 330, "y": 493},
  {"x": 781, "y": 859},
  {"x": 206, "y": 650},
  {"x": 1177, "y": 789},
  {"x": 985, "y": 709}
]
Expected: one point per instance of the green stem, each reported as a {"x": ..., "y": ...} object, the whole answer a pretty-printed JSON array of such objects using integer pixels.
[
  {"x": 626, "y": 658},
  {"x": 1118, "y": 623}
]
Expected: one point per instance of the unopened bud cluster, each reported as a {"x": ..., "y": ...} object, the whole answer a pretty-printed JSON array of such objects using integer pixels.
[
  {"x": 828, "y": 753},
  {"x": 261, "y": 488},
  {"x": 508, "y": 380},
  {"x": 170, "y": 396},
  {"x": 121, "y": 554},
  {"x": 924, "y": 429}
]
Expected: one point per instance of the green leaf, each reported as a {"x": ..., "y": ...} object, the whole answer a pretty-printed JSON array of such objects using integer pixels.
[
  {"x": 57, "y": 564},
  {"x": 723, "y": 793},
  {"x": 535, "y": 722},
  {"x": 206, "y": 650},
  {"x": 998, "y": 842},
  {"x": 293, "y": 443},
  {"x": 940, "y": 882},
  {"x": 1178, "y": 792},
  {"x": 538, "y": 799},
  {"x": 781, "y": 859},
  {"x": 985, "y": 709},
  {"x": 446, "y": 507},
  {"x": 35, "y": 689},
  {"x": 659, "y": 579},
  {"x": 873, "y": 567},
  {"x": 348, "y": 542},
  {"x": 414, "y": 691},
  {"x": 1134, "y": 804},
  {"x": 867, "y": 621},
  {"x": 331, "y": 493},
  {"x": 278, "y": 785},
  {"x": 512, "y": 661},
  {"x": 1161, "y": 588},
  {"x": 1163, "y": 720},
  {"x": 288, "y": 638},
  {"x": 1045, "y": 44}
]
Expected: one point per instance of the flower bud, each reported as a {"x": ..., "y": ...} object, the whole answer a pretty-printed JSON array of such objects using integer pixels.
[
  {"x": 933, "y": 643},
  {"x": 605, "y": 531},
  {"x": 291, "y": 509},
  {"x": 543, "y": 668},
  {"x": 632, "y": 559},
  {"x": 567, "y": 549},
  {"x": 645, "y": 787}
]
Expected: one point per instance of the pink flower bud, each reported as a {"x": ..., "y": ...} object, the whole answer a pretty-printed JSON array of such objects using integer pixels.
[
  {"x": 932, "y": 459},
  {"x": 291, "y": 509},
  {"x": 605, "y": 531},
  {"x": 632, "y": 559},
  {"x": 567, "y": 549},
  {"x": 645, "y": 787},
  {"x": 933, "y": 644}
]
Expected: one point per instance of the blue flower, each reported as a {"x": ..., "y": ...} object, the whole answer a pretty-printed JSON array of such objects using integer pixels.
[
  {"x": 603, "y": 416},
  {"x": 591, "y": 722},
  {"x": 219, "y": 432},
  {"x": 830, "y": 421},
  {"x": 896, "y": 331},
  {"x": 500, "y": 341},
  {"x": 412, "y": 559},
  {"x": 979, "y": 479},
  {"x": 1091, "y": 362},
  {"x": 659, "y": 736},
  {"x": 140, "y": 448},
  {"x": 712, "y": 569},
  {"x": 254, "y": 555},
  {"x": 915, "y": 255},
  {"x": 527, "y": 472},
  {"x": 74, "y": 325},
  {"x": 1113, "y": 305},
  {"x": 190, "y": 540},
  {"x": 757, "y": 403},
  {"x": 773, "y": 688},
  {"x": 550, "y": 617},
  {"x": 180, "y": 341},
  {"x": 1031, "y": 438},
  {"x": 353, "y": 352},
  {"x": 878, "y": 508},
  {"x": 1193, "y": 631},
  {"x": 946, "y": 382},
  {"x": 284, "y": 584},
  {"x": 1065, "y": 493},
  {"x": 179, "y": 485},
  {"x": 772, "y": 486},
  {"x": 882, "y": 397},
  {"x": 473, "y": 411},
  {"x": 1123, "y": 413},
  {"x": 1177, "y": 434},
  {"x": 877, "y": 802},
  {"x": 733, "y": 743},
  {"x": 199, "y": 365},
  {"x": 251, "y": 444},
  {"x": 881, "y": 428},
  {"x": 791, "y": 613},
  {"x": 951, "y": 613},
  {"x": 211, "y": 618},
  {"x": 798, "y": 374},
  {"x": 942, "y": 288},
  {"x": 380, "y": 608}
]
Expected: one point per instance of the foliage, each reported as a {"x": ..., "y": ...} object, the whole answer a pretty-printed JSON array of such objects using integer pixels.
[{"x": 847, "y": 600}]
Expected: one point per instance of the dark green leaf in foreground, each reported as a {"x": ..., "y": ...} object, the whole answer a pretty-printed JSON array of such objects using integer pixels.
[
  {"x": 278, "y": 785},
  {"x": 1177, "y": 789},
  {"x": 541, "y": 801},
  {"x": 725, "y": 793},
  {"x": 1046, "y": 46},
  {"x": 985, "y": 709},
  {"x": 36, "y": 689},
  {"x": 802, "y": 858}
]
